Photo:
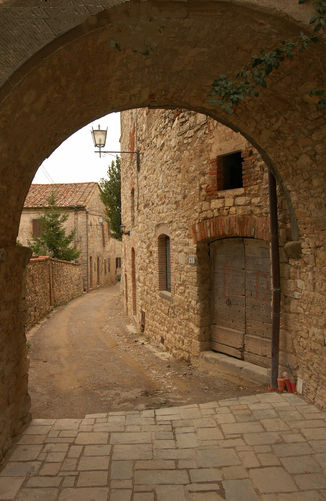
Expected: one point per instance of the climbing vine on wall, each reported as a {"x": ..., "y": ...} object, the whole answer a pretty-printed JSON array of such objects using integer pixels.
[{"x": 228, "y": 93}]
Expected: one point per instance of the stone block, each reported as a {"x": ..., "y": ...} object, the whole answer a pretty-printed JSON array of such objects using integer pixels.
[
  {"x": 169, "y": 477},
  {"x": 92, "y": 479},
  {"x": 234, "y": 472},
  {"x": 40, "y": 494},
  {"x": 120, "y": 495},
  {"x": 311, "y": 481},
  {"x": 75, "y": 451},
  {"x": 19, "y": 469},
  {"x": 266, "y": 437},
  {"x": 236, "y": 428},
  {"x": 84, "y": 494},
  {"x": 139, "y": 451},
  {"x": 97, "y": 450},
  {"x": 44, "y": 482},
  {"x": 239, "y": 490},
  {"x": 186, "y": 440},
  {"x": 26, "y": 452},
  {"x": 144, "y": 496},
  {"x": 121, "y": 470},
  {"x": 49, "y": 469},
  {"x": 170, "y": 493},
  {"x": 130, "y": 438},
  {"x": 155, "y": 464},
  {"x": 9, "y": 487},
  {"x": 217, "y": 457},
  {"x": 301, "y": 464},
  {"x": 297, "y": 449},
  {"x": 93, "y": 463},
  {"x": 272, "y": 479},
  {"x": 267, "y": 459},
  {"x": 209, "y": 434},
  {"x": 92, "y": 438}
]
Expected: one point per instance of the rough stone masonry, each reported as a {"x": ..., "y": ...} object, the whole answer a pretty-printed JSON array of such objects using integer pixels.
[{"x": 157, "y": 54}]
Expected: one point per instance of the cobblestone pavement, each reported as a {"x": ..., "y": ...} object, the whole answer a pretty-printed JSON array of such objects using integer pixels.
[{"x": 266, "y": 447}]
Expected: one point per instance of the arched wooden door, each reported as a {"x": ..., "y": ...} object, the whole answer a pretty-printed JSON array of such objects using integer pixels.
[{"x": 241, "y": 299}]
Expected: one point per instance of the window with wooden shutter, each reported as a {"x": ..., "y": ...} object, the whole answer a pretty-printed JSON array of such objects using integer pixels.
[
  {"x": 164, "y": 263},
  {"x": 37, "y": 227}
]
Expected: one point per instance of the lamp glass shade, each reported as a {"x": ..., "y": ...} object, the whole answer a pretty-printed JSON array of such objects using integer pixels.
[{"x": 99, "y": 137}]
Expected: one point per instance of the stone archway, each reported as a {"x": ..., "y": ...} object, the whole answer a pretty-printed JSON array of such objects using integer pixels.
[{"x": 162, "y": 54}]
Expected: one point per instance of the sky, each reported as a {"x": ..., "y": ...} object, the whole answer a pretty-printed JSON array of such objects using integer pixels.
[{"x": 74, "y": 161}]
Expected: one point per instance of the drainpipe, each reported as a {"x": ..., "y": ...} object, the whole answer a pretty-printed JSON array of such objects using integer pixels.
[
  {"x": 276, "y": 283},
  {"x": 86, "y": 249}
]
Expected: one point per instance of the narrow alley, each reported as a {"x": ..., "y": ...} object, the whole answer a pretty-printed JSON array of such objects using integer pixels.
[
  {"x": 87, "y": 358},
  {"x": 206, "y": 437}
]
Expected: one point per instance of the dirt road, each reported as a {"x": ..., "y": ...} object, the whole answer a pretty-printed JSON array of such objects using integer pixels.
[{"x": 87, "y": 358}]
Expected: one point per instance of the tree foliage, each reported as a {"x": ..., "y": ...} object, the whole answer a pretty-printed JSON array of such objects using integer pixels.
[
  {"x": 228, "y": 93},
  {"x": 53, "y": 240},
  {"x": 111, "y": 197}
]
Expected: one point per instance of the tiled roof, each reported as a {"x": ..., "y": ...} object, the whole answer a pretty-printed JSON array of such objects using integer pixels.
[{"x": 66, "y": 195}]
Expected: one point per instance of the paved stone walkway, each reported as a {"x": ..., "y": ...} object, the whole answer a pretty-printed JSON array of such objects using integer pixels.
[{"x": 266, "y": 447}]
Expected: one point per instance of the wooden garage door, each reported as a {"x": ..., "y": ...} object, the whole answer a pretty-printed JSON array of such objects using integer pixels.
[{"x": 241, "y": 299}]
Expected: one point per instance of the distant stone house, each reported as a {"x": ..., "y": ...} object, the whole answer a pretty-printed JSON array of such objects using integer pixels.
[
  {"x": 100, "y": 255},
  {"x": 196, "y": 254}
]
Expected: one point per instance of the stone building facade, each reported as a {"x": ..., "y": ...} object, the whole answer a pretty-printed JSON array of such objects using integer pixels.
[
  {"x": 197, "y": 269},
  {"x": 100, "y": 256}
]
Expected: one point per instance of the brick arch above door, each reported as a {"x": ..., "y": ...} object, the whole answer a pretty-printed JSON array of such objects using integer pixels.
[{"x": 231, "y": 226}]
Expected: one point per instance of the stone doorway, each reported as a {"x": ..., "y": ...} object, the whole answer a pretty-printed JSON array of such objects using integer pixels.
[{"x": 241, "y": 299}]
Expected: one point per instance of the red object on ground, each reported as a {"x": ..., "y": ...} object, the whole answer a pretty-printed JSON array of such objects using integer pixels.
[
  {"x": 284, "y": 384},
  {"x": 281, "y": 384}
]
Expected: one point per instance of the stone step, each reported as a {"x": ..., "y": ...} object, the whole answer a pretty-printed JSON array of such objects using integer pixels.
[{"x": 244, "y": 369}]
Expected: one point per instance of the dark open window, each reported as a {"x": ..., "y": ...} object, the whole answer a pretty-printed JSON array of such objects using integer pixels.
[
  {"x": 230, "y": 171},
  {"x": 117, "y": 262}
]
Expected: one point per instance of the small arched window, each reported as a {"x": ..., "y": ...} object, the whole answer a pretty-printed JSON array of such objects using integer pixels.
[{"x": 164, "y": 263}]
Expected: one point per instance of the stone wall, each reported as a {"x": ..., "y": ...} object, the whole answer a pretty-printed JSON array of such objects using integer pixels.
[
  {"x": 49, "y": 283},
  {"x": 178, "y": 193},
  {"x": 14, "y": 398}
]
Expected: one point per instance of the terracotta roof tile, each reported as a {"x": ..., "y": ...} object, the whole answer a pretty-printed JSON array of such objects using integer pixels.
[{"x": 66, "y": 194}]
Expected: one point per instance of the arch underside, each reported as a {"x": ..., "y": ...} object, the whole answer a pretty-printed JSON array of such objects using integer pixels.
[{"x": 145, "y": 55}]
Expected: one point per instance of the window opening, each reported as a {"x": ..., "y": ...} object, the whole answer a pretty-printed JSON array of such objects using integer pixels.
[
  {"x": 164, "y": 255},
  {"x": 37, "y": 228},
  {"x": 230, "y": 171}
]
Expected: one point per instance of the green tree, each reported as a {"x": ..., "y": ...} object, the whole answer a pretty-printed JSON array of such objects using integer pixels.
[
  {"x": 111, "y": 197},
  {"x": 53, "y": 240}
]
